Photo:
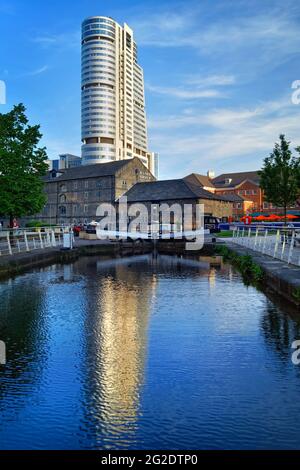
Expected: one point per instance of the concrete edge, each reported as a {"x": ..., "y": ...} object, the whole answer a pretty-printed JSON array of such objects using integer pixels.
[{"x": 279, "y": 277}]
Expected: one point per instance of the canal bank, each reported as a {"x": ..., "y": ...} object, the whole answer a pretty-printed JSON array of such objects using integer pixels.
[
  {"x": 11, "y": 265},
  {"x": 19, "y": 262},
  {"x": 278, "y": 276}
]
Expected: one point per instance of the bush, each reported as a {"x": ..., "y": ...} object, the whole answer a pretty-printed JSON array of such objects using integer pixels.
[
  {"x": 250, "y": 271},
  {"x": 37, "y": 224}
]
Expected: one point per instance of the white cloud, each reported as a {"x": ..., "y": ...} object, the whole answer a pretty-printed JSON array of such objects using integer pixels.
[
  {"x": 226, "y": 139},
  {"x": 38, "y": 71},
  {"x": 242, "y": 39},
  {"x": 213, "y": 80},
  {"x": 195, "y": 87},
  {"x": 66, "y": 40},
  {"x": 184, "y": 93}
]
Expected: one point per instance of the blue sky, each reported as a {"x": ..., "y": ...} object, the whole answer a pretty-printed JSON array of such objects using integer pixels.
[{"x": 218, "y": 75}]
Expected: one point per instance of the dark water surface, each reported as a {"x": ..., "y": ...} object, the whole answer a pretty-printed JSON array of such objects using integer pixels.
[{"x": 137, "y": 353}]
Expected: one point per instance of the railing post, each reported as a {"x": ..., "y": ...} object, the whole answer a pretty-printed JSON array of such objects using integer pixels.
[
  {"x": 8, "y": 244},
  {"x": 48, "y": 239},
  {"x": 283, "y": 246},
  {"x": 53, "y": 238},
  {"x": 243, "y": 236},
  {"x": 291, "y": 247},
  {"x": 26, "y": 241},
  {"x": 261, "y": 244},
  {"x": 41, "y": 240},
  {"x": 256, "y": 235},
  {"x": 276, "y": 243},
  {"x": 249, "y": 236},
  {"x": 265, "y": 241}
]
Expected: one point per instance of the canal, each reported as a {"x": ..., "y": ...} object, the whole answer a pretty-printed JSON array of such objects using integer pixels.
[{"x": 143, "y": 353}]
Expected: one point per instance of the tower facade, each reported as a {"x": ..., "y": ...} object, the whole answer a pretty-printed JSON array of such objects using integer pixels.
[{"x": 113, "y": 100}]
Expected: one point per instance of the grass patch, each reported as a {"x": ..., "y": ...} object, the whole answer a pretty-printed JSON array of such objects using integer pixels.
[{"x": 225, "y": 234}]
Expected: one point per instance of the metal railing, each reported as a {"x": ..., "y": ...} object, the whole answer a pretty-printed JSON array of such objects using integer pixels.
[
  {"x": 25, "y": 240},
  {"x": 280, "y": 243}
]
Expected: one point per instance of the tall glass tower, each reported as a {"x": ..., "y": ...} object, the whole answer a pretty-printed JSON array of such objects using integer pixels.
[{"x": 113, "y": 100}]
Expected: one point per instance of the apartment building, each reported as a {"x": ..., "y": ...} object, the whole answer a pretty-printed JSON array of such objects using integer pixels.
[{"x": 113, "y": 99}]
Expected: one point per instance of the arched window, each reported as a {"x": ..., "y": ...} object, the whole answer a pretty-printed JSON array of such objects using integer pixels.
[
  {"x": 62, "y": 210},
  {"x": 62, "y": 198},
  {"x": 63, "y": 188}
]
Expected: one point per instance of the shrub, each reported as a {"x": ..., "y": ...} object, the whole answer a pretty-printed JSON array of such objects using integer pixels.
[{"x": 250, "y": 271}]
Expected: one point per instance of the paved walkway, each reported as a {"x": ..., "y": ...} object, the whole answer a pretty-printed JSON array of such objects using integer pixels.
[{"x": 283, "y": 251}]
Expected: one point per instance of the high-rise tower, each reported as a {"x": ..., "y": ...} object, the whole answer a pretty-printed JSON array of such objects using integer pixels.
[{"x": 113, "y": 101}]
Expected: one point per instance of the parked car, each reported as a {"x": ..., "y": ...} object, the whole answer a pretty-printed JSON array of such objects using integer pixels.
[{"x": 212, "y": 224}]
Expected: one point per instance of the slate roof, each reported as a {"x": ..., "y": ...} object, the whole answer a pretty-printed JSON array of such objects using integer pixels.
[
  {"x": 204, "y": 180},
  {"x": 168, "y": 190},
  {"x": 233, "y": 198},
  {"x": 237, "y": 178},
  {"x": 88, "y": 171}
]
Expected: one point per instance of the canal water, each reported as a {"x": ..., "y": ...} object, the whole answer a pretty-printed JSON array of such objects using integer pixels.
[{"x": 143, "y": 353}]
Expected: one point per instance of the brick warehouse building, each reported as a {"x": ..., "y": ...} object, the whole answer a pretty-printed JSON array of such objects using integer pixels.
[
  {"x": 73, "y": 195},
  {"x": 246, "y": 186},
  {"x": 243, "y": 189}
]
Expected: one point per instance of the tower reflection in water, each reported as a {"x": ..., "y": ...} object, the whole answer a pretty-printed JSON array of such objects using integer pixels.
[{"x": 116, "y": 344}]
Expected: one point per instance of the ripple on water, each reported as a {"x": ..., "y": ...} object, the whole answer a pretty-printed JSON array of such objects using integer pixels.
[{"x": 143, "y": 353}]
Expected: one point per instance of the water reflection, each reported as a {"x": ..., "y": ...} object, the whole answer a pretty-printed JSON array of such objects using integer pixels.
[
  {"x": 22, "y": 328},
  {"x": 116, "y": 329},
  {"x": 279, "y": 331},
  {"x": 145, "y": 353}
]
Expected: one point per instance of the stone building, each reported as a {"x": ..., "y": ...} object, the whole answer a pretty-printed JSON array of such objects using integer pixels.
[
  {"x": 73, "y": 195},
  {"x": 178, "y": 191}
]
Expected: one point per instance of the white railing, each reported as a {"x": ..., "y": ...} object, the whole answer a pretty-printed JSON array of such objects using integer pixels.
[
  {"x": 26, "y": 240},
  {"x": 282, "y": 244}
]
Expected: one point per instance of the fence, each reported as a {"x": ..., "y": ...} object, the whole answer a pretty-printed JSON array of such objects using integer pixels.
[
  {"x": 280, "y": 243},
  {"x": 18, "y": 241}
]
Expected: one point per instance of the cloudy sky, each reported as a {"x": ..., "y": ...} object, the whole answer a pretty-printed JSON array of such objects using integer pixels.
[{"x": 218, "y": 74}]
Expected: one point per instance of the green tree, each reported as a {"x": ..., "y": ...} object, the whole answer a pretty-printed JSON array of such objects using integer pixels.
[
  {"x": 22, "y": 164},
  {"x": 280, "y": 175}
]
